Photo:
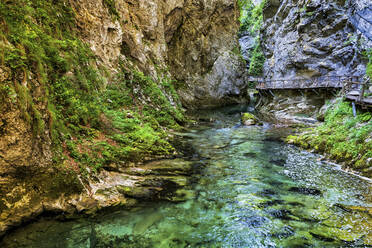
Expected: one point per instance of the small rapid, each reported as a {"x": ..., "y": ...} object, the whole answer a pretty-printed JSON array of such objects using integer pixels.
[{"x": 253, "y": 191}]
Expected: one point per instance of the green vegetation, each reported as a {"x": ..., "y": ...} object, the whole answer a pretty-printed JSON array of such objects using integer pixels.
[
  {"x": 56, "y": 84},
  {"x": 110, "y": 4},
  {"x": 344, "y": 137},
  {"x": 369, "y": 65},
  {"x": 251, "y": 19},
  {"x": 250, "y": 16},
  {"x": 257, "y": 60},
  {"x": 248, "y": 116}
]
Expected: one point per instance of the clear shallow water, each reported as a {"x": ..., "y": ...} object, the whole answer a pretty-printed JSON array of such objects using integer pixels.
[{"x": 253, "y": 192}]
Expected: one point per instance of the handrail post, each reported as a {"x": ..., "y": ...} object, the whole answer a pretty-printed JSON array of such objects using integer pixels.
[
  {"x": 361, "y": 94},
  {"x": 343, "y": 86}
]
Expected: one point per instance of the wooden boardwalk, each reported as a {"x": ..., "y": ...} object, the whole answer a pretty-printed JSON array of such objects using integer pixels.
[{"x": 354, "y": 88}]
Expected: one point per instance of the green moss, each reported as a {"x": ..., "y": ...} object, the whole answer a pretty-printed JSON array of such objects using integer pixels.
[
  {"x": 257, "y": 60},
  {"x": 248, "y": 116},
  {"x": 135, "y": 111},
  {"x": 342, "y": 136},
  {"x": 110, "y": 4},
  {"x": 91, "y": 123},
  {"x": 368, "y": 54}
]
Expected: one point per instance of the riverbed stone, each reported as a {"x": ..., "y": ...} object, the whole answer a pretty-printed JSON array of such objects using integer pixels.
[
  {"x": 306, "y": 191},
  {"x": 249, "y": 119}
]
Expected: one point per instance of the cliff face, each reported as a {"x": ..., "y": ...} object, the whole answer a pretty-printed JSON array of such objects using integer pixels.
[
  {"x": 203, "y": 55},
  {"x": 194, "y": 39},
  {"x": 304, "y": 39},
  {"x": 87, "y": 87},
  {"x": 309, "y": 38}
]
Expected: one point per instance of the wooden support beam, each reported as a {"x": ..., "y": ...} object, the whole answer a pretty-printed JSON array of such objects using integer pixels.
[
  {"x": 271, "y": 93},
  {"x": 361, "y": 94}
]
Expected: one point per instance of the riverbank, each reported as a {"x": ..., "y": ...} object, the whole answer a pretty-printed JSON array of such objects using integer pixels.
[{"x": 341, "y": 137}]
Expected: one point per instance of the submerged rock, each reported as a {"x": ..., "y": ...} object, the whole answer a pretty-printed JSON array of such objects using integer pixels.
[
  {"x": 351, "y": 208},
  {"x": 282, "y": 214},
  {"x": 270, "y": 203},
  {"x": 250, "y": 154},
  {"x": 254, "y": 221},
  {"x": 278, "y": 162},
  {"x": 141, "y": 226},
  {"x": 306, "y": 191},
  {"x": 322, "y": 236}
]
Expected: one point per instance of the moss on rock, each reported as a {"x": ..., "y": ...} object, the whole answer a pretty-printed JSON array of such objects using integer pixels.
[{"x": 249, "y": 119}]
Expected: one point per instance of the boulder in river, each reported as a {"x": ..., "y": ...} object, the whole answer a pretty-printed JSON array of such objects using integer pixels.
[{"x": 249, "y": 119}]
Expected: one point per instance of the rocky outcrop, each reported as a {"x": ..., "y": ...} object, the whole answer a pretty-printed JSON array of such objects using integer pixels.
[
  {"x": 67, "y": 196},
  {"x": 200, "y": 53},
  {"x": 309, "y": 38},
  {"x": 247, "y": 43},
  {"x": 248, "y": 119},
  {"x": 294, "y": 107}
]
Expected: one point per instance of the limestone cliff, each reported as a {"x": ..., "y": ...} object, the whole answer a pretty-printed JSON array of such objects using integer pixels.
[
  {"x": 305, "y": 39},
  {"x": 194, "y": 39},
  {"x": 310, "y": 38},
  {"x": 87, "y": 88}
]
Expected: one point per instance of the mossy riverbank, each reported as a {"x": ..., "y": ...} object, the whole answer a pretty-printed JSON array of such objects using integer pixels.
[{"x": 342, "y": 137}]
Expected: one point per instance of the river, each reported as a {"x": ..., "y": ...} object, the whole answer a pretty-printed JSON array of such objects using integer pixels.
[{"x": 253, "y": 191}]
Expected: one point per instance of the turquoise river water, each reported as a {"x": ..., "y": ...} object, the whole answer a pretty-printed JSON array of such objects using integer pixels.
[{"x": 253, "y": 191}]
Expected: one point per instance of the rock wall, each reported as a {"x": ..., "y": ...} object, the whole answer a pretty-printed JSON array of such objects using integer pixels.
[
  {"x": 194, "y": 39},
  {"x": 205, "y": 56},
  {"x": 309, "y": 38},
  {"x": 294, "y": 107}
]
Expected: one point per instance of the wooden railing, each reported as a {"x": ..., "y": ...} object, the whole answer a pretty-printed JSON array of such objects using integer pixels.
[
  {"x": 305, "y": 83},
  {"x": 355, "y": 91},
  {"x": 352, "y": 87}
]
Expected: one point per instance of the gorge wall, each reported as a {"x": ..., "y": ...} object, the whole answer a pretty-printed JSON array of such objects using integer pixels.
[
  {"x": 88, "y": 88},
  {"x": 304, "y": 39},
  {"x": 310, "y": 38},
  {"x": 193, "y": 39}
]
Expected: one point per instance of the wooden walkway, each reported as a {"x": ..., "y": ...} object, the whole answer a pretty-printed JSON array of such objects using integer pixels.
[{"x": 354, "y": 88}]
